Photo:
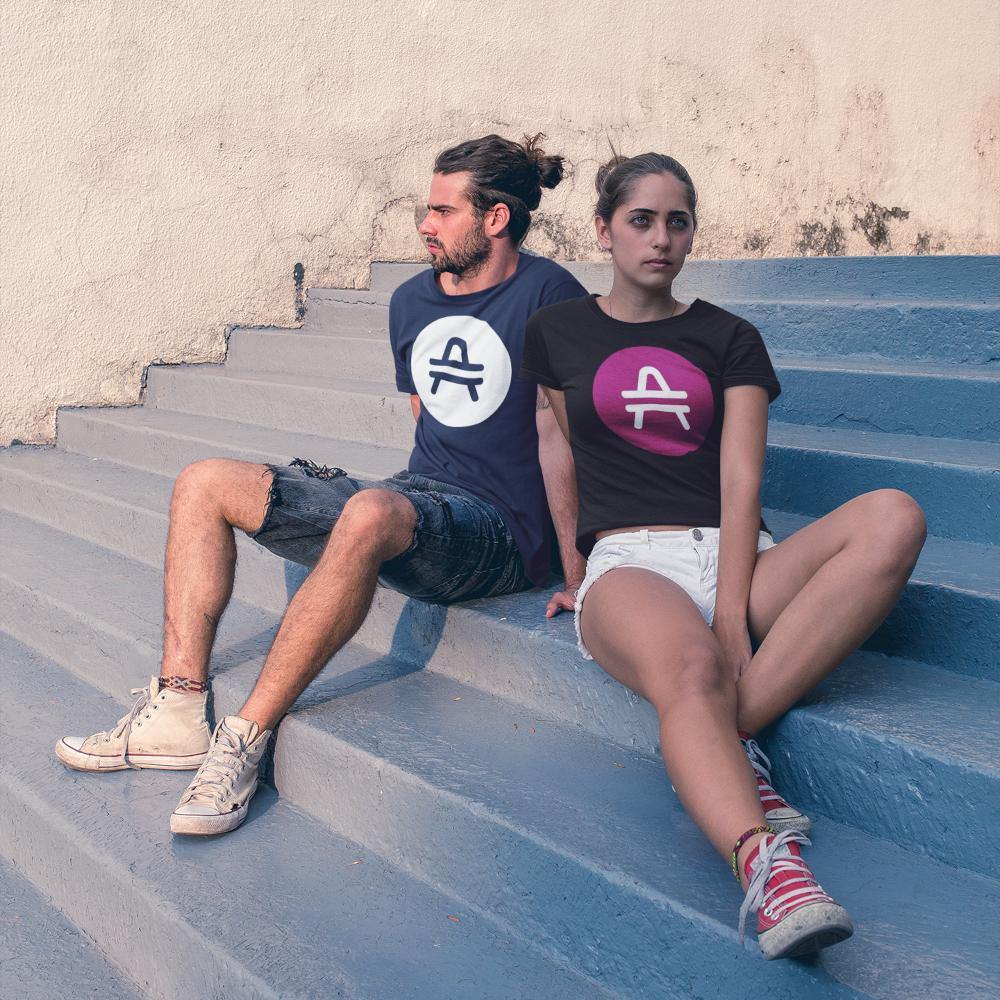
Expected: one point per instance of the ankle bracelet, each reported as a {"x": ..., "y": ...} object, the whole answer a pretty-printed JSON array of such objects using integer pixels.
[
  {"x": 187, "y": 684},
  {"x": 744, "y": 837}
]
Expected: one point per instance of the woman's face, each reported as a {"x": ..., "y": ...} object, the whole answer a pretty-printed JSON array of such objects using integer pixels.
[{"x": 651, "y": 231}]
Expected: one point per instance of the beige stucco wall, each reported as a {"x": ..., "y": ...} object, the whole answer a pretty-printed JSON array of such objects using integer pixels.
[{"x": 165, "y": 165}]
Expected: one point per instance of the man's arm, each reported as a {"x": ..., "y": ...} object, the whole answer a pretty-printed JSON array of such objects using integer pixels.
[
  {"x": 559, "y": 475},
  {"x": 415, "y": 405}
]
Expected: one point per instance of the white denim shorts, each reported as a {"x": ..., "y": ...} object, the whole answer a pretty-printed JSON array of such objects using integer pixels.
[{"x": 688, "y": 558}]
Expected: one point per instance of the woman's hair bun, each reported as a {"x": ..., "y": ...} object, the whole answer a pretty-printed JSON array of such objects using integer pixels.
[
  {"x": 550, "y": 168},
  {"x": 605, "y": 169}
]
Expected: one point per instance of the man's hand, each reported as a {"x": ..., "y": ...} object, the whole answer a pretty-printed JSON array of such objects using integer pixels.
[
  {"x": 562, "y": 600},
  {"x": 734, "y": 638}
]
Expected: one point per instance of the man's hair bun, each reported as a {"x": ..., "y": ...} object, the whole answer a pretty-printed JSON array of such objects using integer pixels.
[
  {"x": 504, "y": 171},
  {"x": 550, "y": 168}
]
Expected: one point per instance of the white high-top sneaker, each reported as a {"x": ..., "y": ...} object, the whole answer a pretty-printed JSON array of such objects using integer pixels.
[
  {"x": 165, "y": 729},
  {"x": 219, "y": 797}
]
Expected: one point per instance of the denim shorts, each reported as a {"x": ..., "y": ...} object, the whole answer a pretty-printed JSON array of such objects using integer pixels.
[
  {"x": 461, "y": 549},
  {"x": 689, "y": 558}
]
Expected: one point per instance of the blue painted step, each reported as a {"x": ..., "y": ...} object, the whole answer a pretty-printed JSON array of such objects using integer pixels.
[
  {"x": 43, "y": 956},
  {"x": 930, "y": 779},
  {"x": 513, "y": 803},
  {"x": 945, "y": 401},
  {"x": 535, "y": 811},
  {"x": 953, "y": 279},
  {"x": 811, "y": 470},
  {"x": 915, "y": 331},
  {"x": 902, "y": 750},
  {"x": 867, "y": 394},
  {"x": 949, "y": 612},
  {"x": 277, "y": 908},
  {"x": 126, "y": 510}
]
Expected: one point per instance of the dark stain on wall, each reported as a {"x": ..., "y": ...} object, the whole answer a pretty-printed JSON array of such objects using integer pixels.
[
  {"x": 299, "y": 274},
  {"x": 757, "y": 242},
  {"x": 819, "y": 240},
  {"x": 554, "y": 238},
  {"x": 923, "y": 244},
  {"x": 874, "y": 223}
]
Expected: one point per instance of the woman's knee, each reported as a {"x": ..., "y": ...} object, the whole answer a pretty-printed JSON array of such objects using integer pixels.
[
  {"x": 894, "y": 527},
  {"x": 695, "y": 671}
]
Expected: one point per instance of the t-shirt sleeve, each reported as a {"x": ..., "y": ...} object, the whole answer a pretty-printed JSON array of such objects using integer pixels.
[
  {"x": 400, "y": 352},
  {"x": 565, "y": 288},
  {"x": 747, "y": 362},
  {"x": 535, "y": 364}
]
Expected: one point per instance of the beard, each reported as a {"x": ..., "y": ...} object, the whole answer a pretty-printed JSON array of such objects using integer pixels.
[{"x": 466, "y": 257}]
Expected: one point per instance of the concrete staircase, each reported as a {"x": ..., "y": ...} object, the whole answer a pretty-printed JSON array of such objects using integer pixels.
[{"x": 461, "y": 807}]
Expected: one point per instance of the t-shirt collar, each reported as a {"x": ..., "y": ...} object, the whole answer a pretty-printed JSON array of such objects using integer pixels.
[{"x": 522, "y": 261}]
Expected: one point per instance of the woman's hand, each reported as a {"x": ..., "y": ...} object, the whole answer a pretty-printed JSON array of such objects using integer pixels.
[
  {"x": 734, "y": 638},
  {"x": 562, "y": 600}
]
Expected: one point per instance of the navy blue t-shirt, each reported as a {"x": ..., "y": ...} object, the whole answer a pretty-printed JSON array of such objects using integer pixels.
[{"x": 461, "y": 354}]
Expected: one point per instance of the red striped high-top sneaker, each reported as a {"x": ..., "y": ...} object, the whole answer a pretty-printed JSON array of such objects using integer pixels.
[
  {"x": 780, "y": 815},
  {"x": 794, "y": 915}
]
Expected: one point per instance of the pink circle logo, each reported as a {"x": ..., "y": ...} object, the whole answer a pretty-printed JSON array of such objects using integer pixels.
[{"x": 654, "y": 399}]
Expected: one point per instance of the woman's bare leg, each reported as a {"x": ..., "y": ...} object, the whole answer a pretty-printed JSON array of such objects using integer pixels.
[
  {"x": 817, "y": 596},
  {"x": 648, "y": 634}
]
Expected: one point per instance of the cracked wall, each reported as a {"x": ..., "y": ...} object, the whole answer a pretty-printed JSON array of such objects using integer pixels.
[{"x": 167, "y": 165}]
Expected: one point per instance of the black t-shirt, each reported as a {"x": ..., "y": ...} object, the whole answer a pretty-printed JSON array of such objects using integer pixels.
[{"x": 644, "y": 403}]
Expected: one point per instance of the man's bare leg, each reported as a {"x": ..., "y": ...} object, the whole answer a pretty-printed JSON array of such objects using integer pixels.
[
  {"x": 328, "y": 609},
  {"x": 210, "y": 498},
  {"x": 167, "y": 727},
  {"x": 334, "y": 600}
]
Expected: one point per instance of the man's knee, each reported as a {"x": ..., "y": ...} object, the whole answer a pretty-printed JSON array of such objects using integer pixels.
[
  {"x": 379, "y": 521},
  {"x": 236, "y": 491}
]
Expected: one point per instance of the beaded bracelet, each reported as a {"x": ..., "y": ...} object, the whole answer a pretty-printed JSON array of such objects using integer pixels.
[
  {"x": 739, "y": 843},
  {"x": 183, "y": 684}
]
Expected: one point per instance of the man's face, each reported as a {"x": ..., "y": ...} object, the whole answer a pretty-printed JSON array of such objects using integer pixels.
[{"x": 451, "y": 228}]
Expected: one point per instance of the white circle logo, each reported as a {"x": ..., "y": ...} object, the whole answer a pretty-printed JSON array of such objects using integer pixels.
[{"x": 461, "y": 369}]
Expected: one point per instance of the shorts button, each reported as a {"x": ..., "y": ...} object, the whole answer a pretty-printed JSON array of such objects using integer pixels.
[{"x": 697, "y": 535}]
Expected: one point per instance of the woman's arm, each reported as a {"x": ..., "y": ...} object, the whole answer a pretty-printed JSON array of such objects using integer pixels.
[
  {"x": 744, "y": 438},
  {"x": 559, "y": 475}
]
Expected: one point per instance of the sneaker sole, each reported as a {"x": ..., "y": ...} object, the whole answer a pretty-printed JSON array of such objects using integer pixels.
[
  {"x": 801, "y": 824},
  {"x": 80, "y": 761},
  {"x": 806, "y": 930},
  {"x": 208, "y": 826}
]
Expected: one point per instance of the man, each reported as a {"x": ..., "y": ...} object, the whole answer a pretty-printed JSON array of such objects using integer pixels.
[{"x": 466, "y": 519}]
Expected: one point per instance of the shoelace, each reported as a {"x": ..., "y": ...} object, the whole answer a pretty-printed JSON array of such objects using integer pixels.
[
  {"x": 216, "y": 778},
  {"x": 761, "y": 765},
  {"x": 123, "y": 729},
  {"x": 784, "y": 896}
]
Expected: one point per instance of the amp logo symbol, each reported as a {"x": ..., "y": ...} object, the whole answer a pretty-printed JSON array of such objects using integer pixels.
[
  {"x": 454, "y": 365},
  {"x": 654, "y": 399},
  {"x": 651, "y": 398},
  {"x": 461, "y": 370}
]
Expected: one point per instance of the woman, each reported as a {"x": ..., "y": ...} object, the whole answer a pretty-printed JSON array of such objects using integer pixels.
[{"x": 665, "y": 405}]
